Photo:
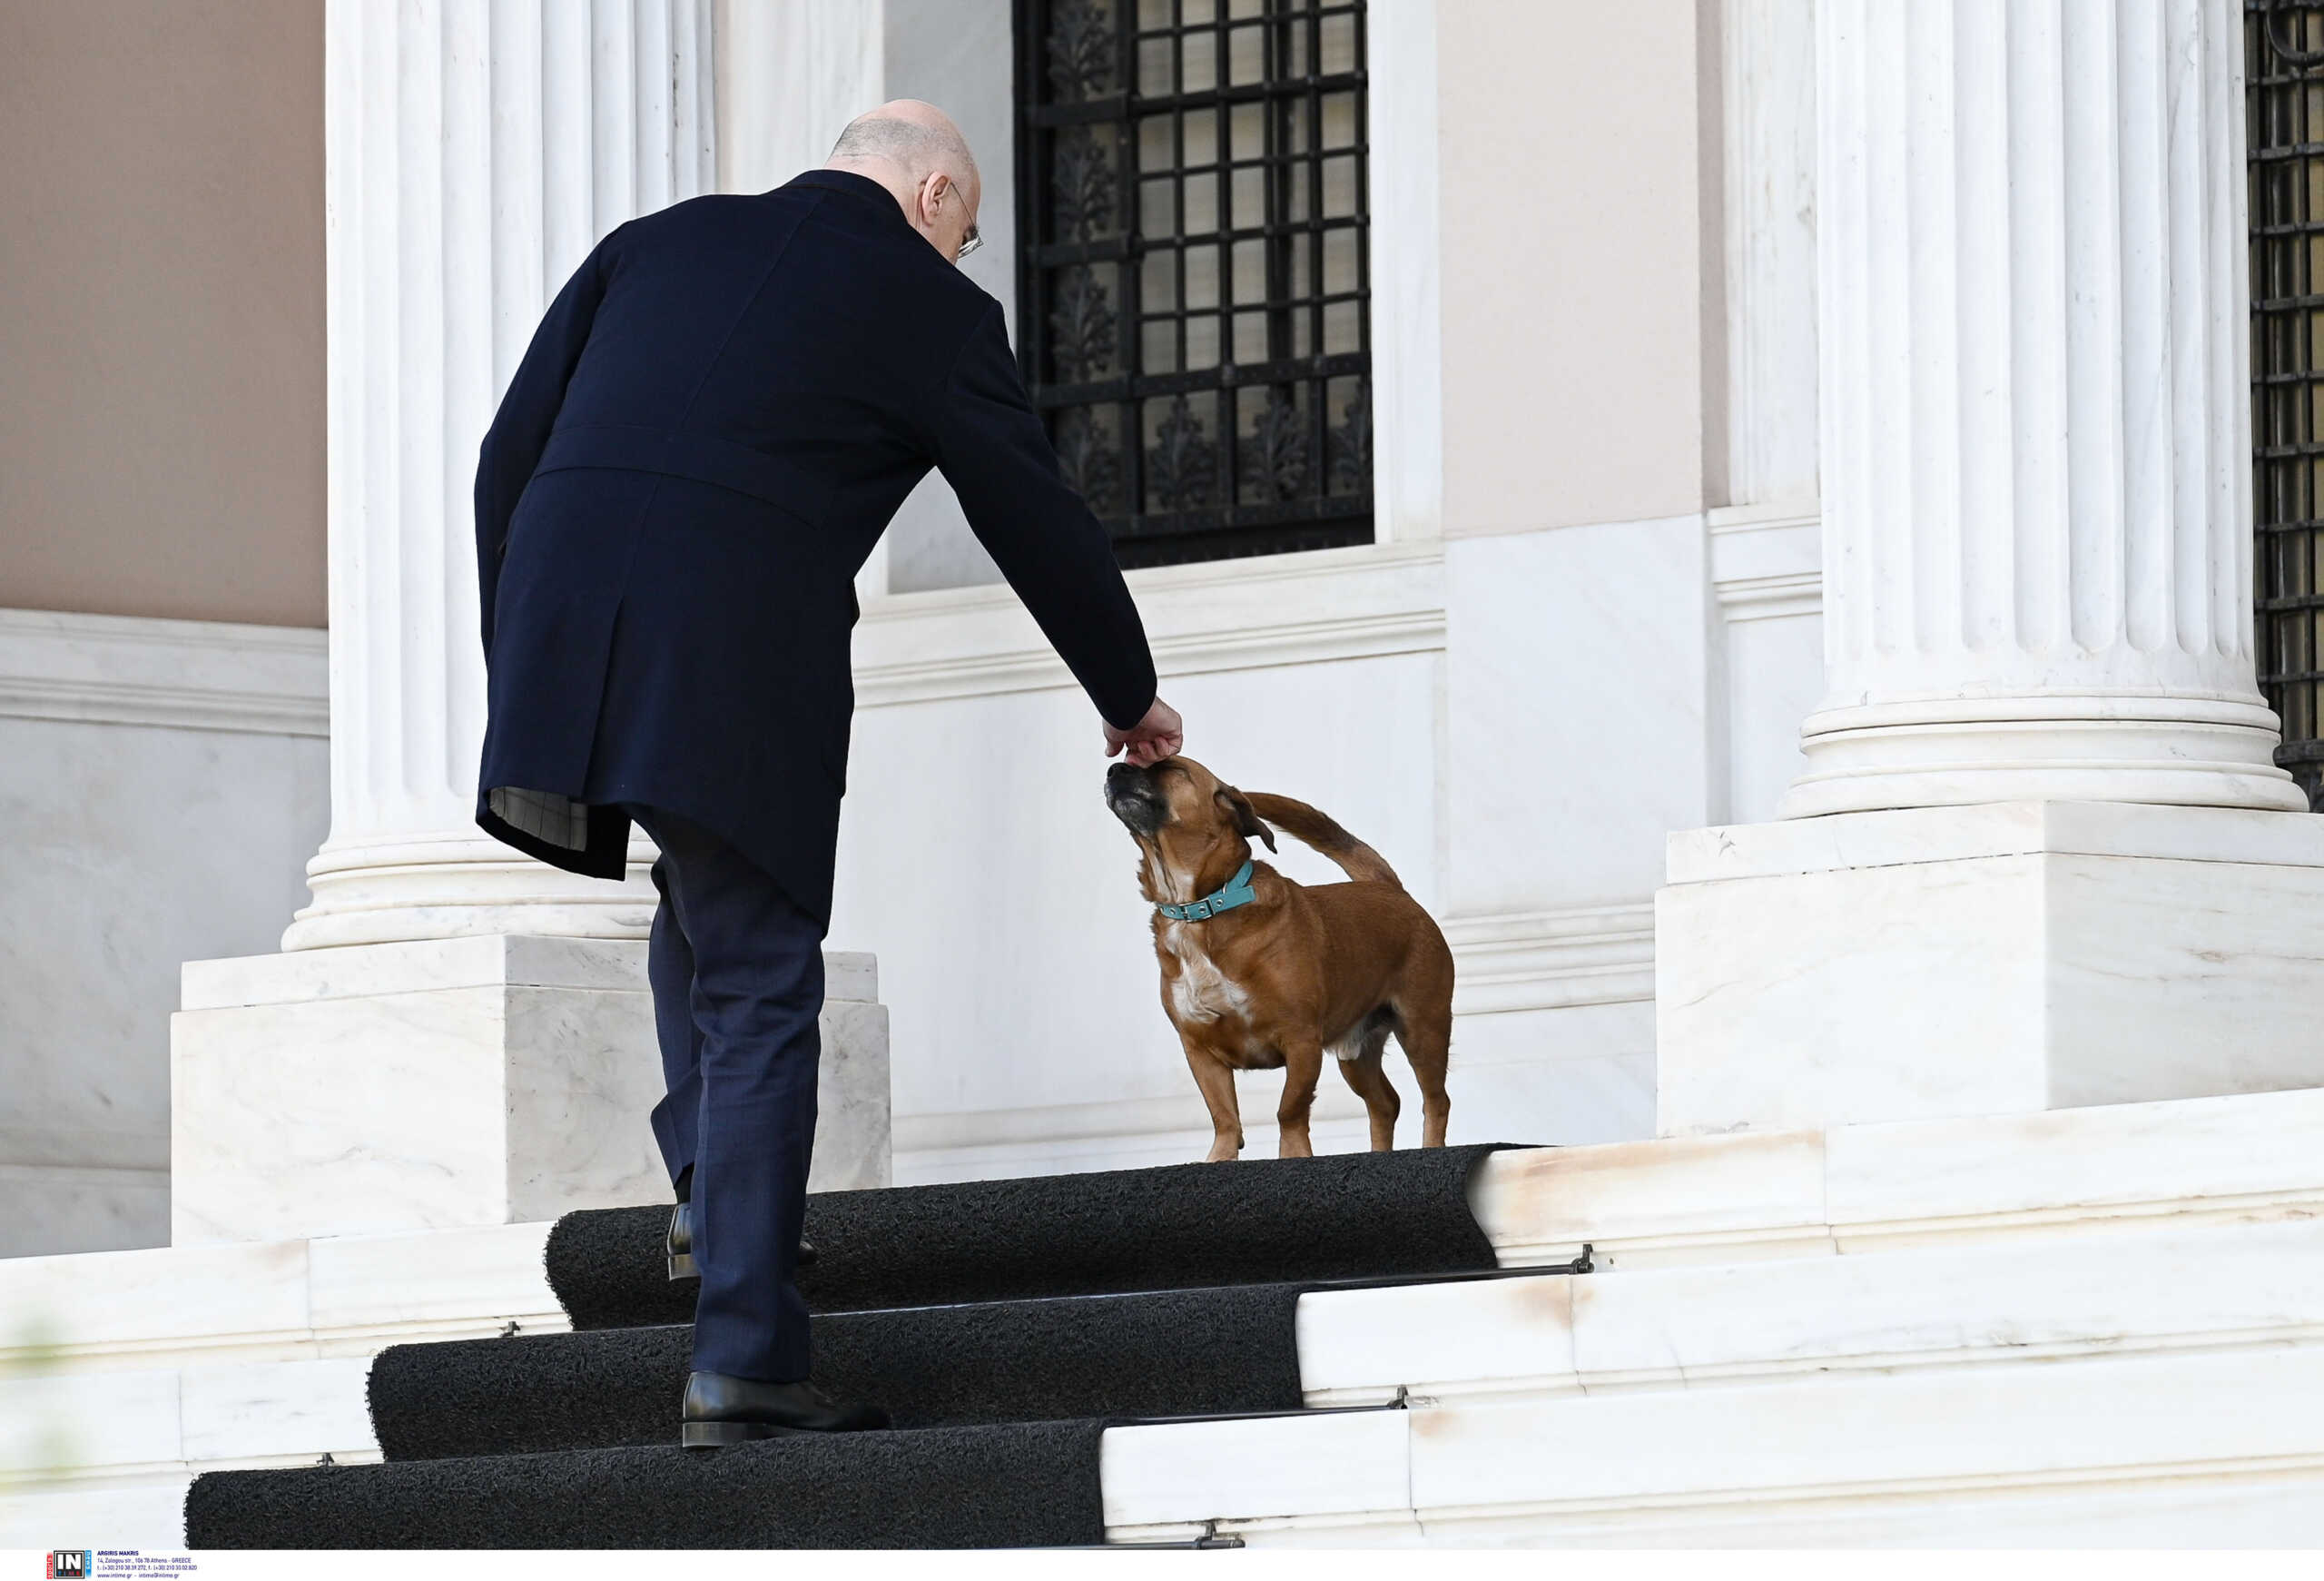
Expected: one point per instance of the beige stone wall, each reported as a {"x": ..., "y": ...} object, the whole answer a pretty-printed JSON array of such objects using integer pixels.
[
  {"x": 1580, "y": 305},
  {"x": 161, "y": 308}
]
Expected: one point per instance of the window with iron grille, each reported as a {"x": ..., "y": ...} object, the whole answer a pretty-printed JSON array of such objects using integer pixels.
[
  {"x": 1193, "y": 287},
  {"x": 2284, "y": 77}
]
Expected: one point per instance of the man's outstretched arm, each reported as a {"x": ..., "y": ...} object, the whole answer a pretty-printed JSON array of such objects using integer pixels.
[
  {"x": 993, "y": 450},
  {"x": 513, "y": 444}
]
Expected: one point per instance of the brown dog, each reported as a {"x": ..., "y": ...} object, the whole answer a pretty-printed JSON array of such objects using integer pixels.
[{"x": 1269, "y": 974}]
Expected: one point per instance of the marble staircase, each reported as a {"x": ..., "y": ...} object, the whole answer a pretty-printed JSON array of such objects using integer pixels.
[
  {"x": 2089, "y": 1325},
  {"x": 123, "y": 1374},
  {"x": 2100, "y": 1326}
]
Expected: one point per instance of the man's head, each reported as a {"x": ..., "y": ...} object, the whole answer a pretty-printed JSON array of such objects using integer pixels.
[{"x": 915, "y": 152}]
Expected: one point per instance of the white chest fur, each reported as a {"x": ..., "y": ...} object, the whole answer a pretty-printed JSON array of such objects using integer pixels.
[{"x": 1200, "y": 991}]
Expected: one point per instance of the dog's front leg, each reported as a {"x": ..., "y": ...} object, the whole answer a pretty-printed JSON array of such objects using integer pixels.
[
  {"x": 1215, "y": 1078},
  {"x": 1303, "y": 1066}
]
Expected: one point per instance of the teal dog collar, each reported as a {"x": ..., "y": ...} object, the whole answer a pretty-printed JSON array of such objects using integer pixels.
[{"x": 1236, "y": 891}]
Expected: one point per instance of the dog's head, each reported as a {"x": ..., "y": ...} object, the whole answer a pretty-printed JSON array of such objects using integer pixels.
[{"x": 1193, "y": 827}]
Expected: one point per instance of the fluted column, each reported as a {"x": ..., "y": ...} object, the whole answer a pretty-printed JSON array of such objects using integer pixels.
[
  {"x": 474, "y": 150},
  {"x": 2035, "y": 417}
]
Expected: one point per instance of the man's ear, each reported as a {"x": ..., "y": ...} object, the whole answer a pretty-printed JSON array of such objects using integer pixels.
[{"x": 1247, "y": 821}]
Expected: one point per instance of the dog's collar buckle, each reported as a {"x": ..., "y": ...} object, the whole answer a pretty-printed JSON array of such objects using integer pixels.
[{"x": 1236, "y": 891}]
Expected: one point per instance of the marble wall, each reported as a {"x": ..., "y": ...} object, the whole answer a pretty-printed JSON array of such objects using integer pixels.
[
  {"x": 956, "y": 54},
  {"x": 1573, "y": 637},
  {"x": 790, "y": 78},
  {"x": 1517, "y": 722},
  {"x": 161, "y": 784}
]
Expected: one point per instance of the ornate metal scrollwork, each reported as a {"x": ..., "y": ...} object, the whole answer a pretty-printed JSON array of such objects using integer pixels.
[
  {"x": 1090, "y": 460},
  {"x": 1274, "y": 457},
  {"x": 1082, "y": 185},
  {"x": 1081, "y": 50},
  {"x": 1182, "y": 469},
  {"x": 1081, "y": 325},
  {"x": 1192, "y": 331},
  {"x": 2280, "y": 21},
  {"x": 1351, "y": 444}
]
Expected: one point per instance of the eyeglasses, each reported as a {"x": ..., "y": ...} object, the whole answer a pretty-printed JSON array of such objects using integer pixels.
[{"x": 969, "y": 242}]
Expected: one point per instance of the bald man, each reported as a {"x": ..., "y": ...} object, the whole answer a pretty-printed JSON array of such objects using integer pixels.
[{"x": 715, "y": 422}]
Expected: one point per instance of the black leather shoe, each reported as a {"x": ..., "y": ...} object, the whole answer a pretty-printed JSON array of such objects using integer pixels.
[
  {"x": 722, "y": 1410},
  {"x": 679, "y": 1244}
]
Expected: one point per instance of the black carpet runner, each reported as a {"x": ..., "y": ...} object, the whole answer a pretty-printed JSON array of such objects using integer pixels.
[
  {"x": 1028, "y": 1485},
  {"x": 1003, "y": 1324},
  {"x": 1257, "y": 1222}
]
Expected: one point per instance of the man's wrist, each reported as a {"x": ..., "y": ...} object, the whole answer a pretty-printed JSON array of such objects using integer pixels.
[{"x": 1125, "y": 726}]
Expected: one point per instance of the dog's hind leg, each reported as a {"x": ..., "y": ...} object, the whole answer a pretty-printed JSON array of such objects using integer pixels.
[
  {"x": 1364, "y": 1074},
  {"x": 1426, "y": 1033},
  {"x": 1303, "y": 1064}
]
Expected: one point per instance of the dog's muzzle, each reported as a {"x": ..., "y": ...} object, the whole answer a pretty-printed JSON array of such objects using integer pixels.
[{"x": 1135, "y": 798}]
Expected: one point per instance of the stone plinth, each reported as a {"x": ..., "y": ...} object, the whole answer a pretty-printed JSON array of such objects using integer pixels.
[
  {"x": 445, "y": 1082},
  {"x": 1986, "y": 959}
]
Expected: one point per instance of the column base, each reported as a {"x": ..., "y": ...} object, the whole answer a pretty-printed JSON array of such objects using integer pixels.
[
  {"x": 457, "y": 1082},
  {"x": 1983, "y": 960},
  {"x": 463, "y": 883},
  {"x": 2177, "y": 749}
]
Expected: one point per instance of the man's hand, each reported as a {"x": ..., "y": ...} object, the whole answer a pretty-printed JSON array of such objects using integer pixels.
[{"x": 1152, "y": 738}]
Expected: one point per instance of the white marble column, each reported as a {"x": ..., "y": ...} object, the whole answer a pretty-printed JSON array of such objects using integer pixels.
[
  {"x": 1766, "y": 541},
  {"x": 2039, "y": 856},
  {"x": 474, "y": 150},
  {"x": 2036, "y": 435},
  {"x": 1768, "y": 94}
]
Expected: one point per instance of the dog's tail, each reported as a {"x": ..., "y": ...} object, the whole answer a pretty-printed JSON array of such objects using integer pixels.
[{"x": 1356, "y": 859}]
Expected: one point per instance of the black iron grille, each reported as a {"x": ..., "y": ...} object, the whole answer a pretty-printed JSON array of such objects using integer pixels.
[
  {"x": 1193, "y": 283},
  {"x": 2284, "y": 72}
]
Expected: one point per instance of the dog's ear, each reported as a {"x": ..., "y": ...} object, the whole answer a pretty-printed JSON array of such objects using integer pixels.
[{"x": 1238, "y": 807}]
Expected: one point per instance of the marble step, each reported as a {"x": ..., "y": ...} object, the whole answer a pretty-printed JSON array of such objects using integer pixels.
[
  {"x": 2177, "y": 1286},
  {"x": 147, "y": 1513},
  {"x": 2106, "y": 1451},
  {"x": 112, "y": 1451},
  {"x": 253, "y": 1354},
  {"x": 1701, "y": 1200},
  {"x": 1858, "y": 1188},
  {"x": 272, "y": 1300},
  {"x": 123, "y": 1374}
]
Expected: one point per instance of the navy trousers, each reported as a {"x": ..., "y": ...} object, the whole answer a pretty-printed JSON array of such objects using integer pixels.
[{"x": 737, "y": 971}]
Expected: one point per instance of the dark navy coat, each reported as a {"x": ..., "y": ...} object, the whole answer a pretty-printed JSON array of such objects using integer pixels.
[{"x": 716, "y": 421}]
